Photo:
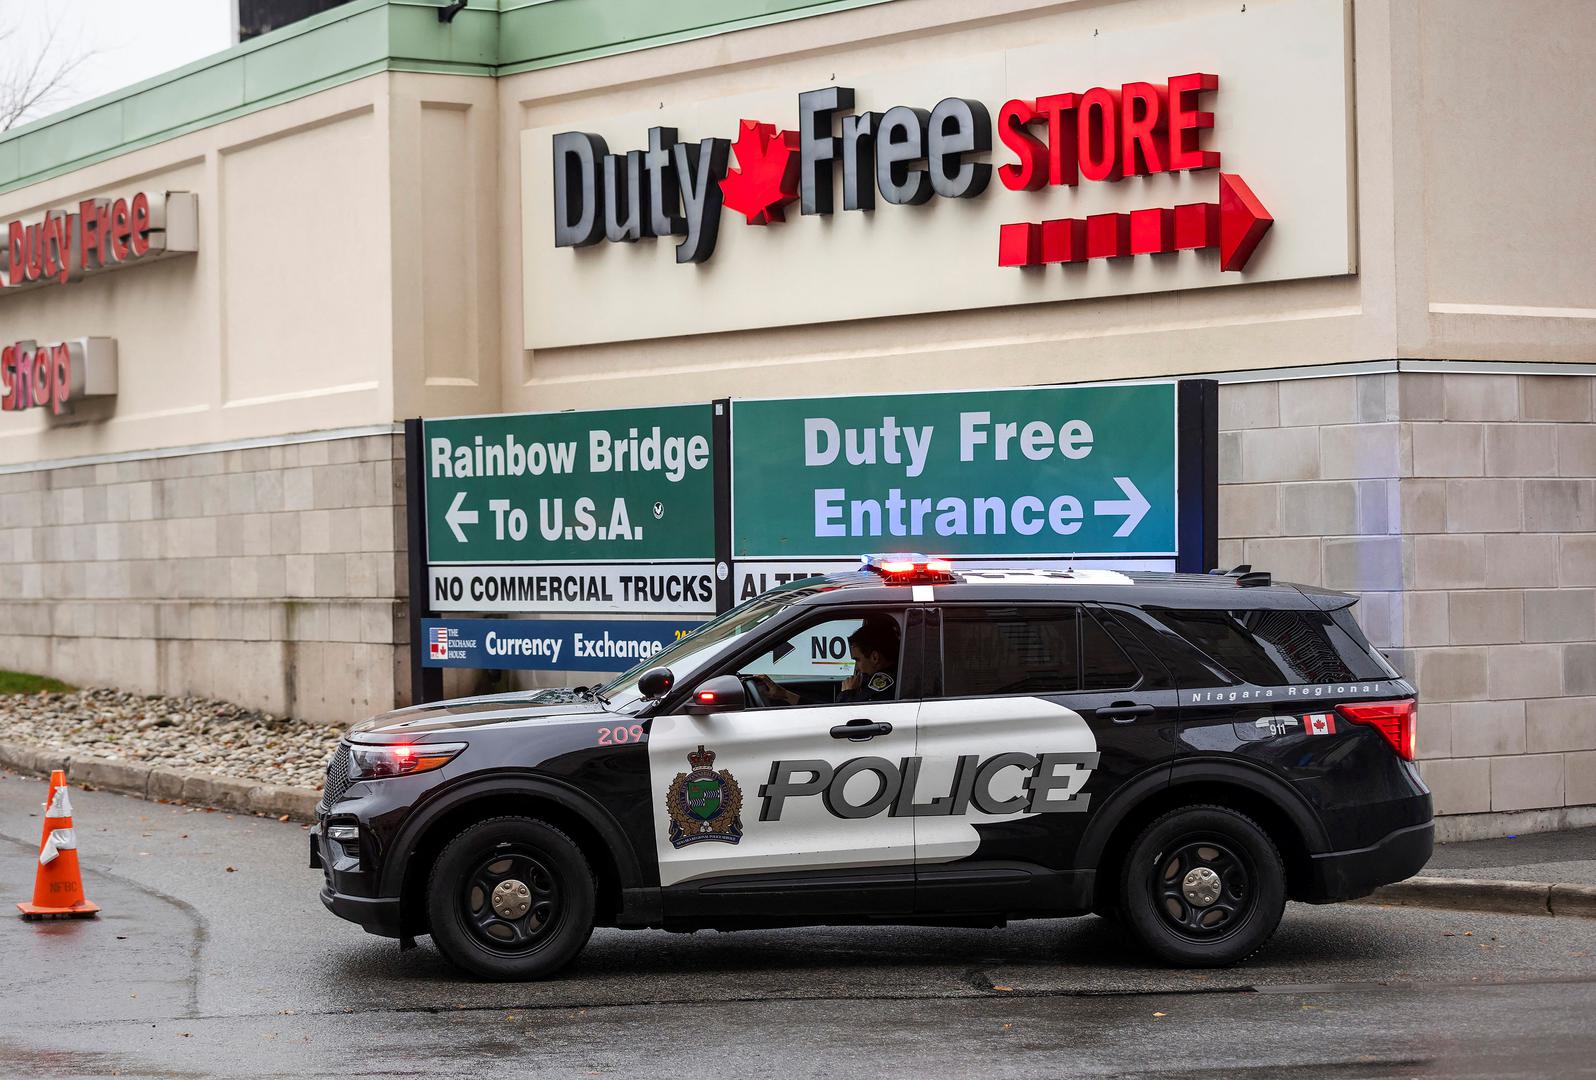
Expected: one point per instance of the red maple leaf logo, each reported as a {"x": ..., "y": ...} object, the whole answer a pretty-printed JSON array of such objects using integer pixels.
[{"x": 767, "y": 175}]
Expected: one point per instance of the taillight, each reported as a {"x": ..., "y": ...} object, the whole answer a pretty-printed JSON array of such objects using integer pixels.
[{"x": 1393, "y": 719}]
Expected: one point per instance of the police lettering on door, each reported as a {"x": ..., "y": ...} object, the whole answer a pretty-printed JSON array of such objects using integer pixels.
[{"x": 1050, "y": 784}]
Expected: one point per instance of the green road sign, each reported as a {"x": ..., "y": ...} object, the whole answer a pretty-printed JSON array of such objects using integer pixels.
[
  {"x": 597, "y": 511},
  {"x": 1066, "y": 471}
]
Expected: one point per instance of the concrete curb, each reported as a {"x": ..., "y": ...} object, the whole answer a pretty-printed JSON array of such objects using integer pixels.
[
  {"x": 157, "y": 782},
  {"x": 1505, "y": 897}
]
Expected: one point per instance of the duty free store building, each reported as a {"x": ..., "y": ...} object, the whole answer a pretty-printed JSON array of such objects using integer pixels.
[{"x": 355, "y": 219}]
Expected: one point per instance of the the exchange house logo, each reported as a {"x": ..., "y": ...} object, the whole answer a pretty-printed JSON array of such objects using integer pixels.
[
  {"x": 909, "y": 156},
  {"x": 704, "y": 804}
]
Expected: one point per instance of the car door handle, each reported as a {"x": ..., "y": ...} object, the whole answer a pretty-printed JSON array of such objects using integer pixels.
[
  {"x": 860, "y": 730},
  {"x": 1123, "y": 712}
]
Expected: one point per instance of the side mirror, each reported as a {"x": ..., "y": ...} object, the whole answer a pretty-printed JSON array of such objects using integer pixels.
[
  {"x": 723, "y": 693},
  {"x": 655, "y": 683}
]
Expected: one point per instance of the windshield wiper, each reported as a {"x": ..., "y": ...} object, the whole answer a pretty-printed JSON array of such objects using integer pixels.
[{"x": 590, "y": 693}]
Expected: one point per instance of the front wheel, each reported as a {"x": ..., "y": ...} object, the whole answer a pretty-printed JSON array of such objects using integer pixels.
[
  {"x": 511, "y": 899},
  {"x": 1203, "y": 886}
]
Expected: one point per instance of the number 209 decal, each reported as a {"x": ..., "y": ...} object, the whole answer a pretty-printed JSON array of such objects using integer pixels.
[{"x": 620, "y": 733}]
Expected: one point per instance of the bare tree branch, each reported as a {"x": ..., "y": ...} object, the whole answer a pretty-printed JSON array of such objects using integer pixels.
[{"x": 36, "y": 73}]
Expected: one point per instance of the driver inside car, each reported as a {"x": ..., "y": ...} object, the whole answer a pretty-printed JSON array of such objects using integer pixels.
[{"x": 874, "y": 647}]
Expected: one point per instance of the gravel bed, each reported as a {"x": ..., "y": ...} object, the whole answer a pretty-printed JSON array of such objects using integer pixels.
[{"x": 185, "y": 733}]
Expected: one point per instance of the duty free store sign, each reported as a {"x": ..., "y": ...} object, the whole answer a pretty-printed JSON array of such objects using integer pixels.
[{"x": 1196, "y": 152}]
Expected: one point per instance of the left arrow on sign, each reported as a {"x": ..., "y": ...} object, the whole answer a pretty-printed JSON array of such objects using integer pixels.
[
  {"x": 1134, "y": 506},
  {"x": 456, "y": 517}
]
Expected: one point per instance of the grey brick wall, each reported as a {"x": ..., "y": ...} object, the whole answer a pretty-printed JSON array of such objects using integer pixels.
[
  {"x": 273, "y": 576},
  {"x": 1462, "y": 509}
]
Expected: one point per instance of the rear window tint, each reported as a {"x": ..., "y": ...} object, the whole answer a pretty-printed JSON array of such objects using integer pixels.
[
  {"x": 1170, "y": 661},
  {"x": 1104, "y": 665},
  {"x": 1009, "y": 651},
  {"x": 1280, "y": 648}
]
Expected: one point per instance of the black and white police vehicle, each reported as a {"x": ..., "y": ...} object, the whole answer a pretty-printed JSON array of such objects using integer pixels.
[{"x": 909, "y": 743}]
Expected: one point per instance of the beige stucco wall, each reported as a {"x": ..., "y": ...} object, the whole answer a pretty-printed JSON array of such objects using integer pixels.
[{"x": 345, "y": 275}]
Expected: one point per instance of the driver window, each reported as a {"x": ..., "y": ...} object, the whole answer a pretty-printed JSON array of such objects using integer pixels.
[{"x": 827, "y": 663}]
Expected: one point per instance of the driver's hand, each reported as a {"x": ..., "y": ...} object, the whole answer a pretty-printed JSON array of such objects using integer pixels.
[
  {"x": 852, "y": 681},
  {"x": 774, "y": 691}
]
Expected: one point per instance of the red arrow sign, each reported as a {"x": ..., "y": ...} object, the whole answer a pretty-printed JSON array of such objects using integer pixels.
[{"x": 1234, "y": 225}]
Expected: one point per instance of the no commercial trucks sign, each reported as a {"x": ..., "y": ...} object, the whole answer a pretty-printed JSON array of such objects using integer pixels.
[
  {"x": 1086, "y": 472},
  {"x": 605, "y": 511}
]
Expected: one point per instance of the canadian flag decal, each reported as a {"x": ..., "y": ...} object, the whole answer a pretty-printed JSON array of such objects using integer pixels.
[{"x": 1320, "y": 724}]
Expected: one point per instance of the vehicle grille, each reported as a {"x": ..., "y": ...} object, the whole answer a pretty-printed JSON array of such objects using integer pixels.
[{"x": 337, "y": 781}]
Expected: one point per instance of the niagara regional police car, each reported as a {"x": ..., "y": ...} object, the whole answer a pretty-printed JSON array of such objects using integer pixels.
[{"x": 909, "y": 743}]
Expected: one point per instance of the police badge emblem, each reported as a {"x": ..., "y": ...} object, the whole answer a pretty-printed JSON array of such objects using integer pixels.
[{"x": 704, "y": 805}]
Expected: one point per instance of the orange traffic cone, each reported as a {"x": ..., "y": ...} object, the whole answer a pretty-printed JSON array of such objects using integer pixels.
[{"x": 58, "y": 886}]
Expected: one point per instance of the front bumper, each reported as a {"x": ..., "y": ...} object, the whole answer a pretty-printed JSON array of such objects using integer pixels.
[
  {"x": 378, "y": 915},
  {"x": 1347, "y": 875},
  {"x": 375, "y": 914}
]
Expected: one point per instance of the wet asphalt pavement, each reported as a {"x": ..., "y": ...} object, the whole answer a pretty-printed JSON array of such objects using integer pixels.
[{"x": 196, "y": 970}]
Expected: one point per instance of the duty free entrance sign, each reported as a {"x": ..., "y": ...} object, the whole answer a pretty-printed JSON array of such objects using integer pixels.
[{"x": 1083, "y": 473}]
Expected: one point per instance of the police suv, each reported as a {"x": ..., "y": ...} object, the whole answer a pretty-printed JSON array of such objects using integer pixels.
[{"x": 909, "y": 743}]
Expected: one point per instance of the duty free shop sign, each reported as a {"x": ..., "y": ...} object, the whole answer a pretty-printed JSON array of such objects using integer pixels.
[{"x": 1209, "y": 149}]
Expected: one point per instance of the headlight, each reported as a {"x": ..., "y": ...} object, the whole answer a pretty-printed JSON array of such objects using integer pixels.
[{"x": 403, "y": 759}]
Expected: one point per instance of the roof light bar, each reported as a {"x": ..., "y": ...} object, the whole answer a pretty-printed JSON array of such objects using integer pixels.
[{"x": 909, "y": 568}]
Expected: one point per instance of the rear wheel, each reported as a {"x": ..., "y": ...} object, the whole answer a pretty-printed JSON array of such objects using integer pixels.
[
  {"x": 511, "y": 899},
  {"x": 1203, "y": 886}
]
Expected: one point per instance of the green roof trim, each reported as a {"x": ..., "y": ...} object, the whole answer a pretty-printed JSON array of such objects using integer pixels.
[{"x": 488, "y": 38}]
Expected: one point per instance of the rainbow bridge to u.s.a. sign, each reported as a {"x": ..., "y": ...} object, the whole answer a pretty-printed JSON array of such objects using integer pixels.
[{"x": 686, "y": 509}]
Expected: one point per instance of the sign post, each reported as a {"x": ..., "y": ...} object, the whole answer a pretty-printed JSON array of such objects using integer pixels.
[{"x": 426, "y": 683}]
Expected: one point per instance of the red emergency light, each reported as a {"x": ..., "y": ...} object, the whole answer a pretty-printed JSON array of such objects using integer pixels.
[{"x": 910, "y": 568}]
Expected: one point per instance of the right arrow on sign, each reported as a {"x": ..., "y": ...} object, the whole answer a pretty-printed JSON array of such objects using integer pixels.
[
  {"x": 456, "y": 517},
  {"x": 1234, "y": 225},
  {"x": 1133, "y": 507},
  {"x": 1242, "y": 221}
]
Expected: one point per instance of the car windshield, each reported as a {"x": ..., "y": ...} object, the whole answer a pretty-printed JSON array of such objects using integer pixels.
[{"x": 689, "y": 656}]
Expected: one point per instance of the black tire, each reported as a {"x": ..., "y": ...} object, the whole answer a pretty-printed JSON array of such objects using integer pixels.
[
  {"x": 1244, "y": 876},
  {"x": 511, "y": 899}
]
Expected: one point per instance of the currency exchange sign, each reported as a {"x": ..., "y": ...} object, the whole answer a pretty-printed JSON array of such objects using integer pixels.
[
  {"x": 1085, "y": 472},
  {"x": 605, "y": 511}
]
